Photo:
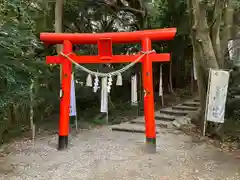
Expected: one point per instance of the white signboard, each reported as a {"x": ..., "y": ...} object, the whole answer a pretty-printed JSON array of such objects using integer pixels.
[
  {"x": 216, "y": 95},
  {"x": 134, "y": 98},
  {"x": 73, "y": 111}
]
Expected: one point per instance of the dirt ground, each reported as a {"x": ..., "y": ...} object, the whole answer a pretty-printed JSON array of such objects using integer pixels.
[{"x": 104, "y": 154}]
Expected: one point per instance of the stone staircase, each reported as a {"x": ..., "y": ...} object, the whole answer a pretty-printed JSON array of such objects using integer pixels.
[{"x": 169, "y": 117}]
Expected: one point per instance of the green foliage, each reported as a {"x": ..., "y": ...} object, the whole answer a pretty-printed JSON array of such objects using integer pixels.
[
  {"x": 169, "y": 14},
  {"x": 20, "y": 62},
  {"x": 17, "y": 41}
]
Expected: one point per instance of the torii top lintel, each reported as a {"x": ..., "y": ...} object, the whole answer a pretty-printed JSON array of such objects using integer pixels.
[
  {"x": 116, "y": 37},
  {"x": 105, "y": 41}
]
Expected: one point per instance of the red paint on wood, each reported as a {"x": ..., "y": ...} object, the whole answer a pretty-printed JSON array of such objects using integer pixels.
[
  {"x": 148, "y": 89},
  {"x": 116, "y": 37},
  {"x": 164, "y": 57},
  {"x": 66, "y": 91}
]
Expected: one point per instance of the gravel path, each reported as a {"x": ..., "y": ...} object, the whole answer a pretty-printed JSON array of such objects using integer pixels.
[{"x": 101, "y": 154}]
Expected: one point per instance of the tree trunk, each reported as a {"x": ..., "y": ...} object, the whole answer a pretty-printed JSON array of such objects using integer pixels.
[
  {"x": 203, "y": 50},
  {"x": 207, "y": 43},
  {"x": 59, "y": 24},
  {"x": 143, "y": 25}
]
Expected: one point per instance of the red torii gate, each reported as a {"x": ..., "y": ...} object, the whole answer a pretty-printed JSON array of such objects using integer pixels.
[{"x": 104, "y": 42}]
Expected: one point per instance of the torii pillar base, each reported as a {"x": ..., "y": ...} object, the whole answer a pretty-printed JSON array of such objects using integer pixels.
[
  {"x": 62, "y": 142},
  {"x": 151, "y": 145}
]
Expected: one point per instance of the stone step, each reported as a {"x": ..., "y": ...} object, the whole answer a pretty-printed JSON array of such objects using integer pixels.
[
  {"x": 236, "y": 97},
  {"x": 162, "y": 124},
  {"x": 237, "y": 88},
  {"x": 164, "y": 117},
  {"x": 235, "y": 92},
  {"x": 173, "y": 112},
  {"x": 191, "y": 104},
  {"x": 131, "y": 127},
  {"x": 181, "y": 121},
  {"x": 184, "y": 108}
]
